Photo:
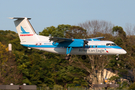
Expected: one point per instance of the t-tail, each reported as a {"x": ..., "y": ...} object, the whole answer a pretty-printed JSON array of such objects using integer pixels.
[{"x": 25, "y": 30}]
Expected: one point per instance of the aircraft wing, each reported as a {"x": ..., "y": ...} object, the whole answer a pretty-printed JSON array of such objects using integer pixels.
[{"x": 57, "y": 39}]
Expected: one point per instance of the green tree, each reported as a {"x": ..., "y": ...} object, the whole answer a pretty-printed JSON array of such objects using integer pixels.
[
  {"x": 7, "y": 36},
  {"x": 132, "y": 86},
  {"x": 121, "y": 37},
  {"x": 8, "y": 67},
  {"x": 120, "y": 31},
  {"x": 47, "y": 31},
  {"x": 39, "y": 67},
  {"x": 55, "y": 31},
  {"x": 76, "y": 32},
  {"x": 67, "y": 31},
  {"x": 61, "y": 30}
]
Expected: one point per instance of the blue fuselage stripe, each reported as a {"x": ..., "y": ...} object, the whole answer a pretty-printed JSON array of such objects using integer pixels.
[{"x": 52, "y": 46}]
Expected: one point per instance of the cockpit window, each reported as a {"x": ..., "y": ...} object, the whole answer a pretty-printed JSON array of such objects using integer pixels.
[
  {"x": 113, "y": 44},
  {"x": 110, "y": 44}
]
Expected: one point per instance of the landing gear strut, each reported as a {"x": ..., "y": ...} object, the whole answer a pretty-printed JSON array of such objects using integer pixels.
[{"x": 68, "y": 53}]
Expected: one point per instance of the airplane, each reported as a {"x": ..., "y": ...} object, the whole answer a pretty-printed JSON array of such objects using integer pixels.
[{"x": 90, "y": 46}]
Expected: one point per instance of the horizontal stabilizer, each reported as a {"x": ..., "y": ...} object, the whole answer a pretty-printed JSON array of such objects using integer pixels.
[
  {"x": 95, "y": 39},
  {"x": 19, "y": 18}
]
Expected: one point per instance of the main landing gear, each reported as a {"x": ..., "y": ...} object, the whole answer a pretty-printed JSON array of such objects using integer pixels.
[
  {"x": 68, "y": 53},
  {"x": 83, "y": 57},
  {"x": 67, "y": 57}
]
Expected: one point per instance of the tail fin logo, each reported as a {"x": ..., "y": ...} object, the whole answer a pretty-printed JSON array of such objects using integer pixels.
[{"x": 24, "y": 33}]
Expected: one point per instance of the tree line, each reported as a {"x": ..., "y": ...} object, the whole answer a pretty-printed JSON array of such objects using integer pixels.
[{"x": 42, "y": 68}]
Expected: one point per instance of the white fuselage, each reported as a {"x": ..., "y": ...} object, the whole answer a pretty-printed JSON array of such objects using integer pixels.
[{"x": 93, "y": 48}]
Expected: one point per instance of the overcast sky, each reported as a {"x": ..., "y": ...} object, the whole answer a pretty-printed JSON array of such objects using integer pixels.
[{"x": 46, "y": 13}]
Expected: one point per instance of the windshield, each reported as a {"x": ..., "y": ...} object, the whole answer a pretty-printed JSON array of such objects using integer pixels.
[{"x": 110, "y": 44}]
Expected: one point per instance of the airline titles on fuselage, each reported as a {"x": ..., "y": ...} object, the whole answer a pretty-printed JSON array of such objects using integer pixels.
[{"x": 92, "y": 50}]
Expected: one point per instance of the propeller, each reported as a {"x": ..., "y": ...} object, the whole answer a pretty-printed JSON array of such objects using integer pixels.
[{"x": 85, "y": 43}]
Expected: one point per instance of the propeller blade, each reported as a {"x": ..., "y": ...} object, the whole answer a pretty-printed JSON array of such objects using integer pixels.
[{"x": 85, "y": 42}]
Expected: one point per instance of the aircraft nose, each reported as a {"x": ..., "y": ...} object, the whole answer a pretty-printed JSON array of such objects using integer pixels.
[{"x": 123, "y": 52}]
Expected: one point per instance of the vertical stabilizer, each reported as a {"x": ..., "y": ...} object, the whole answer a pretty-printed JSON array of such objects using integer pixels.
[{"x": 25, "y": 30}]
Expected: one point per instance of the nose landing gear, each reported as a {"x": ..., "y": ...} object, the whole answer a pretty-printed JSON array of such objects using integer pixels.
[{"x": 117, "y": 57}]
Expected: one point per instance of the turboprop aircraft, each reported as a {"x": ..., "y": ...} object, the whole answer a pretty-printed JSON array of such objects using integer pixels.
[{"x": 91, "y": 46}]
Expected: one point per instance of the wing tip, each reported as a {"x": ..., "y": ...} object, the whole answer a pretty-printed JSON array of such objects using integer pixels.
[{"x": 10, "y": 17}]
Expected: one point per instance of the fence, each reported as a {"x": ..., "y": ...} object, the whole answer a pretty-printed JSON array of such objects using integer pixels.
[
  {"x": 95, "y": 87},
  {"x": 34, "y": 87},
  {"x": 61, "y": 88},
  {"x": 18, "y": 87}
]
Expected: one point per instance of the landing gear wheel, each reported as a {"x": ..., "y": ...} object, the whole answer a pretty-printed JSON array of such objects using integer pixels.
[
  {"x": 67, "y": 57},
  {"x": 84, "y": 57}
]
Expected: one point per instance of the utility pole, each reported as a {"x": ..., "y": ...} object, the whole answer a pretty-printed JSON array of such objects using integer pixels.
[
  {"x": 9, "y": 47},
  {"x": 9, "y": 50}
]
